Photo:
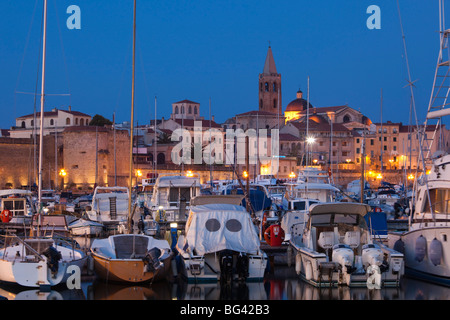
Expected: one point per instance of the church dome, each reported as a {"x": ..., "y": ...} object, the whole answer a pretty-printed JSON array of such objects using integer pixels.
[{"x": 298, "y": 104}]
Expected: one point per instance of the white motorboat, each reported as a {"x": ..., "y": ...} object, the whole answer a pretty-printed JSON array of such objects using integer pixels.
[
  {"x": 171, "y": 197},
  {"x": 426, "y": 242},
  {"x": 336, "y": 248},
  {"x": 18, "y": 205},
  {"x": 38, "y": 262},
  {"x": 220, "y": 244},
  {"x": 110, "y": 207}
]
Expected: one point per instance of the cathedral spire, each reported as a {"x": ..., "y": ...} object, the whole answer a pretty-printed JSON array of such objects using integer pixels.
[{"x": 269, "y": 65}]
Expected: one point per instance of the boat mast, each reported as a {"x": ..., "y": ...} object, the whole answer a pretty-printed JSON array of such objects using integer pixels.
[
  {"x": 132, "y": 117},
  {"x": 41, "y": 130}
]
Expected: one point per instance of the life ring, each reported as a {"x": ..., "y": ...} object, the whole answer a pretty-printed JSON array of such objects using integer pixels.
[
  {"x": 274, "y": 235},
  {"x": 6, "y": 216}
]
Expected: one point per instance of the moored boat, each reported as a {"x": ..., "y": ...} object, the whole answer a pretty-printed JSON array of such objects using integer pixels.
[
  {"x": 336, "y": 248},
  {"x": 220, "y": 244},
  {"x": 131, "y": 258},
  {"x": 38, "y": 262}
]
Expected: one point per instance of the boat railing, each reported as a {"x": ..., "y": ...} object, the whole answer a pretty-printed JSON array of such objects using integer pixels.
[{"x": 11, "y": 237}]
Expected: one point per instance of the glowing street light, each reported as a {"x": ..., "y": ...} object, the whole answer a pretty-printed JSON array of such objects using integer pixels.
[
  {"x": 310, "y": 140},
  {"x": 189, "y": 174},
  {"x": 245, "y": 174},
  {"x": 62, "y": 173}
]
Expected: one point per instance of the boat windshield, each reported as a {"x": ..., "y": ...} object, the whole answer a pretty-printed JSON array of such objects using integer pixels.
[
  {"x": 330, "y": 219},
  {"x": 439, "y": 200}
]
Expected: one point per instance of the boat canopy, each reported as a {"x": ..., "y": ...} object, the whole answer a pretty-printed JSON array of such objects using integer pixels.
[
  {"x": 216, "y": 227},
  {"x": 177, "y": 181},
  {"x": 340, "y": 208},
  {"x": 9, "y": 192}
]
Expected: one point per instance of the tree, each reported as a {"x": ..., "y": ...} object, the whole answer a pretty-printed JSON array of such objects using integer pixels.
[{"x": 100, "y": 121}]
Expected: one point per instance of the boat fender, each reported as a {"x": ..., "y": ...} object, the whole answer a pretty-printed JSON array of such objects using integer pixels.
[
  {"x": 53, "y": 256},
  {"x": 435, "y": 252},
  {"x": 6, "y": 216},
  {"x": 298, "y": 263},
  {"x": 421, "y": 248},
  {"x": 152, "y": 261},
  {"x": 399, "y": 246},
  {"x": 308, "y": 271}
]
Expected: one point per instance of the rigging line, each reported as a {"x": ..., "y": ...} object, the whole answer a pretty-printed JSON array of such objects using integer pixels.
[
  {"x": 407, "y": 65},
  {"x": 47, "y": 94},
  {"x": 143, "y": 74},
  {"x": 63, "y": 52},
  {"x": 25, "y": 50}
]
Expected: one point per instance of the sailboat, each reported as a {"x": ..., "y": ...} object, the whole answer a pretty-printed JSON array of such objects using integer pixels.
[
  {"x": 38, "y": 261},
  {"x": 426, "y": 243},
  {"x": 131, "y": 258}
]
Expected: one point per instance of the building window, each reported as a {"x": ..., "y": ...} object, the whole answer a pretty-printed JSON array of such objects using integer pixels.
[
  {"x": 182, "y": 109},
  {"x": 357, "y": 150},
  {"x": 346, "y": 119},
  {"x": 23, "y": 124},
  {"x": 82, "y": 122},
  {"x": 260, "y": 103},
  {"x": 371, "y": 142},
  {"x": 357, "y": 140},
  {"x": 32, "y": 122},
  {"x": 176, "y": 109},
  {"x": 266, "y": 85},
  {"x": 274, "y": 87},
  {"x": 195, "y": 109},
  {"x": 161, "y": 158},
  {"x": 274, "y": 103},
  {"x": 67, "y": 120},
  {"x": 76, "y": 121},
  {"x": 190, "y": 109},
  {"x": 394, "y": 139}
]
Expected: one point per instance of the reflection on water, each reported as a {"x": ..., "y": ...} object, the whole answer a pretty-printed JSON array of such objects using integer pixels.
[
  {"x": 282, "y": 284},
  {"x": 272, "y": 288}
]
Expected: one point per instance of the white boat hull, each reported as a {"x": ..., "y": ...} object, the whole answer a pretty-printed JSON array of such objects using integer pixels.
[
  {"x": 28, "y": 272},
  {"x": 203, "y": 269},
  {"x": 425, "y": 268}
]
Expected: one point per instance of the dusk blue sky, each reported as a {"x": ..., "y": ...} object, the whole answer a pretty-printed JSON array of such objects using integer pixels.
[{"x": 202, "y": 49}]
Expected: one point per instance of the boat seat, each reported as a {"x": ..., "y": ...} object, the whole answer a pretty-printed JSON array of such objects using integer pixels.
[
  {"x": 327, "y": 240},
  {"x": 352, "y": 239}
]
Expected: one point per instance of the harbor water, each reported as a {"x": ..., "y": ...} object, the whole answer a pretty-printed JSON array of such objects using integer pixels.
[{"x": 280, "y": 283}]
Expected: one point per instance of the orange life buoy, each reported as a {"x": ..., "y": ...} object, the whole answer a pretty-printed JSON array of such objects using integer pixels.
[
  {"x": 274, "y": 235},
  {"x": 6, "y": 215}
]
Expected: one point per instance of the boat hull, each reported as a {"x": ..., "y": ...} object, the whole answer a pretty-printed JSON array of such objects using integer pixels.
[
  {"x": 36, "y": 274},
  {"x": 205, "y": 269},
  {"x": 425, "y": 268},
  {"x": 128, "y": 270}
]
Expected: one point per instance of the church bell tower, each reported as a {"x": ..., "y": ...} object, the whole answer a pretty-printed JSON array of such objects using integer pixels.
[{"x": 270, "y": 86}]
